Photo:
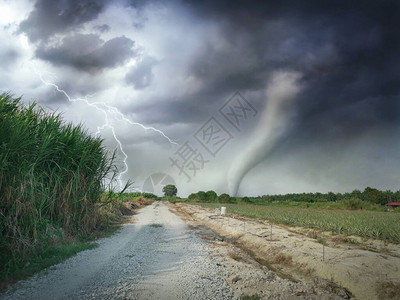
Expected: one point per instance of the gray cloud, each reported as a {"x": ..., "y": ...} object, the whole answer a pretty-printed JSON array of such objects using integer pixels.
[
  {"x": 87, "y": 52},
  {"x": 141, "y": 75},
  {"x": 103, "y": 28},
  {"x": 50, "y": 17},
  {"x": 343, "y": 50},
  {"x": 8, "y": 56},
  {"x": 346, "y": 51}
]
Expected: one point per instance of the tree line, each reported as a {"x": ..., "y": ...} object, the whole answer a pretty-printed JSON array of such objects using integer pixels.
[{"x": 369, "y": 195}]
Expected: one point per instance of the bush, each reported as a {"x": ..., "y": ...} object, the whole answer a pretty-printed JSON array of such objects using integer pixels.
[
  {"x": 51, "y": 179},
  {"x": 128, "y": 196},
  {"x": 353, "y": 203},
  {"x": 246, "y": 199}
]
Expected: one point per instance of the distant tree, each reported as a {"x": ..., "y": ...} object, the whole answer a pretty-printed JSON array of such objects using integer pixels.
[
  {"x": 170, "y": 190},
  {"x": 224, "y": 198},
  {"x": 346, "y": 195},
  {"x": 332, "y": 196},
  {"x": 201, "y": 196},
  {"x": 211, "y": 196},
  {"x": 267, "y": 198},
  {"x": 193, "y": 197},
  {"x": 396, "y": 196},
  {"x": 373, "y": 195},
  {"x": 387, "y": 196},
  {"x": 246, "y": 199},
  {"x": 356, "y": 194}
]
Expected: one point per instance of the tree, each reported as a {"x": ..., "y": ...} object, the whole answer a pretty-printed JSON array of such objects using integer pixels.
[
  {"x": 193, "y": 197},
  {"x": 332, "y": 196},
  {"x": 224, "y": 198},
  {"x": 387, "y": 196},
  {"x": 356, "y": 194},
  {"x": 396, "y": 196},
  {"x": 169, "y": 190},
  {"x": 373, "y": 195},
  {"x": 202, "y": 196},
  {"x": 211, "y": 196}
]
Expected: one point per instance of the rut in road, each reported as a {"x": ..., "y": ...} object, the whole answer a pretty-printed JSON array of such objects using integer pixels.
[{"x": 158, "y": 257}]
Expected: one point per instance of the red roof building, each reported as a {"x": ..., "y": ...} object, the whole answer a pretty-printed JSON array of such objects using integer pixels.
[{"x": 393, "y": 204}]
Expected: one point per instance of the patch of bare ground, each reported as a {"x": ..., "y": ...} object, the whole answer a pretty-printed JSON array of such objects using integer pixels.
[
  {"x": 250, "y": 275},
  {"x": 339, "y": 266},
  {"x": 130, "y": 208}
]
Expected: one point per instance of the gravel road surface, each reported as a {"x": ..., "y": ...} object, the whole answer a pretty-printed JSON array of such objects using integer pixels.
[{"x": 157, "y": 257}]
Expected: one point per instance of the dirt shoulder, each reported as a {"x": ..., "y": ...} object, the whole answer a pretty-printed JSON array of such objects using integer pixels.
[{"x": 369, "y": 270}]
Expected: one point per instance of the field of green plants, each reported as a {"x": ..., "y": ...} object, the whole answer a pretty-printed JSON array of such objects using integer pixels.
[
  {"x": 52, "y": 182},
  {"x": 370, "y": 224}
]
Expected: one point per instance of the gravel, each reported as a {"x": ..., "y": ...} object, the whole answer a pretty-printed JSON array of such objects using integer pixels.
[{"x": 157, "y": 257}]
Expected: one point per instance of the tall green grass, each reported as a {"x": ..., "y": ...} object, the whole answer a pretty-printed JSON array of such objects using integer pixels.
[{"x": 52, "y": 177}]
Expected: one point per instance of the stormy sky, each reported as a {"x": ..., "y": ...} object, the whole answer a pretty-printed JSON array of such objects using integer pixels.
[{"x": 191, "y": 87}]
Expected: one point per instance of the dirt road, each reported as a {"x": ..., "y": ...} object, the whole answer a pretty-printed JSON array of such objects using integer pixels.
[{"x": 157, "y": 257}]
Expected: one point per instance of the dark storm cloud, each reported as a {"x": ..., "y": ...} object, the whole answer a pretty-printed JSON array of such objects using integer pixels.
[
  {"x": 87, "y": 52},
  {"x": 347, "y": 52},
  {"x": 141, "y": 75},
  {"x": 171, "y": 110},
  {"x": 50, "y": 17},
  {"x": 103, "y": 28},
  {"x": 188, "y": 110}
]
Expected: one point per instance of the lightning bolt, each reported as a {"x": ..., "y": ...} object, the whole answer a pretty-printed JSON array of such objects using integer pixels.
[{"x": 106, "y": 110}]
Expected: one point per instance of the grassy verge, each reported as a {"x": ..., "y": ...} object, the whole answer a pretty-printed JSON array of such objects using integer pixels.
[
  {"x": 58, "y": 250},
  {"x": 49, "y": 256},
  {"x": 370, "y": 224},
  {"x": 63, "y": 248},
  {"x": 53, "y": 178}
]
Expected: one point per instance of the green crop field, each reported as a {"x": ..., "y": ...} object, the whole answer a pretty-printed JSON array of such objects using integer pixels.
[{"x": 370, "y": 224}]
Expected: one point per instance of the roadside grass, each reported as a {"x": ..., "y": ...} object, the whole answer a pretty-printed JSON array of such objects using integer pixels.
[
  {"x": 155, "y": 225},
  {"x": 23, "y": 268},
  {"x": 56, "y": 189},
  {"x": 52, "y": 179},
  {"x": 283, "y": 259},
  {"x": 52, "y": 253},
  {"x": 370, "y": 224},
  {"x": 62, "y": 248}
]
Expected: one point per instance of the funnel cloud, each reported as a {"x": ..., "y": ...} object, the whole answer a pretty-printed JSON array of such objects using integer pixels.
[{"x": 274, "y": 121}]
